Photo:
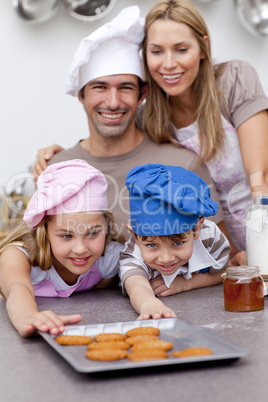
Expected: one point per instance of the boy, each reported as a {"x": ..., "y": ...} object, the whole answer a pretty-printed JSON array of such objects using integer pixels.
[{"x": 173, "y": 247}]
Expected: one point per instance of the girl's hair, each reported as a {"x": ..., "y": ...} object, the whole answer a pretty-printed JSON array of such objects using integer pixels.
[
  {"x": 37, "y": 244},
  {"x": 157, "y": 112}
]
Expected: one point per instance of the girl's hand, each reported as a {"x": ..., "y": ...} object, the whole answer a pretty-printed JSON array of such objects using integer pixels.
[
  {"x": 160, "y": 289},
  {"x": 155, "y": 309},
  {"x": 46, "y": 321}
]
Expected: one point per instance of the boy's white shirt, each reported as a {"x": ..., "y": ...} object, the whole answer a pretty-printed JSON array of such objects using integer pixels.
[{"x": 200, "y": 259}]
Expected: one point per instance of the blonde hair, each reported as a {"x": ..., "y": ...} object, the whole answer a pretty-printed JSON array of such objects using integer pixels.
[
  {"x": 157, "y": 112},
  {"x": 37, "y": 244}
]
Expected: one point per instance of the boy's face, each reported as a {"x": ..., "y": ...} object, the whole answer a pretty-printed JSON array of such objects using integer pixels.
[{"x": 166, "y": 256}]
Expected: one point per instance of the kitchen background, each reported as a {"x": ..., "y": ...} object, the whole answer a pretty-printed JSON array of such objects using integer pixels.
[{"x": 35, "y": 58}]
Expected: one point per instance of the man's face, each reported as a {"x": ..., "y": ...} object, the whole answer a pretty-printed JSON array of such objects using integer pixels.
[{"x": 111, "y": 104}]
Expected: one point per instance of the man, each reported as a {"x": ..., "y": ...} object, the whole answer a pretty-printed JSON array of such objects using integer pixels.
[{"x": 107, "y": 77}]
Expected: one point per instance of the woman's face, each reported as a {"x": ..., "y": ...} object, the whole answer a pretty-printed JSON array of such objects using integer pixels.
[{"x": 173, "y": 56}]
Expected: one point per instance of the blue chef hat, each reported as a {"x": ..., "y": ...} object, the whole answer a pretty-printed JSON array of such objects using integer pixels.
[{"x": 166, "y": 200}]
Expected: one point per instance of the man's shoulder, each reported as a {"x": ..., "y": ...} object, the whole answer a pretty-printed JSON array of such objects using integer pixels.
[{"x": 75, "y": 152}]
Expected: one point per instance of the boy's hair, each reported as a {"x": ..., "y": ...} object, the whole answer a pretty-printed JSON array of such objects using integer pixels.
[
  {"x": 37, "y": 244},
  {"x": 172, "y": 238}
]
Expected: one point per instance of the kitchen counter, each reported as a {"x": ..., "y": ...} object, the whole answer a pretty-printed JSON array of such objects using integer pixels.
[{"x": 31, "y": 370}]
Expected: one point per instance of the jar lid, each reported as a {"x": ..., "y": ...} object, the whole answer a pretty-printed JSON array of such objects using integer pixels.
[
  {"x": 261, "y": 199},
  {"x": 243, "y": 271}
]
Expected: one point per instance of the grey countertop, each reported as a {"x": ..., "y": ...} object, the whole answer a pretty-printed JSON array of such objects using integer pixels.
[{"x": 31, "y": 370}]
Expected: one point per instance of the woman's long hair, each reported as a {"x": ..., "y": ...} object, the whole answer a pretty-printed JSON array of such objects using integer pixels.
[
  {"x": 37, "y": 244},
  {"x": 157, "y": 112}
]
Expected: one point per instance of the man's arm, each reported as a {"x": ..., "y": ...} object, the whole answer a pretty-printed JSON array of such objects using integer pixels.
[{"x": 44, "y": 155}]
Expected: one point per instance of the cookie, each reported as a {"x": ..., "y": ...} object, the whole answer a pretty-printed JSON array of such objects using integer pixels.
[
  {"x": 108, "y": 345},
  {"x": 152, "y": 345},
  {"x": 109, "y": 336},
  {"x": 106, "y": 354},
  {"x": 141, "y": 338},
  {"x": 143, "y": 331},
  {"x": 73, "y": 339},
  {"x": 189, "y": 352}
]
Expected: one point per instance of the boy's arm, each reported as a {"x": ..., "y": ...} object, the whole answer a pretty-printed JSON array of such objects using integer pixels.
[
  {"x": 143, "y": 299},
  {"x": 16, "y": 285},
  {"x": 180, "y": 284}
]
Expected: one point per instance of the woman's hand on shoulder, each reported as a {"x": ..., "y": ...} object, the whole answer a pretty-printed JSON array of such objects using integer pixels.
[
  {"x": 44, "y": 155},
  {"x": 46, "y": 321}
]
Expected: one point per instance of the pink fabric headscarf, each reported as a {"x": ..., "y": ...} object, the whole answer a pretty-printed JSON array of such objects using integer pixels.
[{"x": 67, "y": 187}]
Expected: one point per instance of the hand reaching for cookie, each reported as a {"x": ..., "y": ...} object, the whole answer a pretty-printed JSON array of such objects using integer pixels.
[{"x": 46, "y": 321}]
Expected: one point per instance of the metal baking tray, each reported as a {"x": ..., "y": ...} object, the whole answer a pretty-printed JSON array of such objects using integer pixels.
[{"x": 174, "y": 330}]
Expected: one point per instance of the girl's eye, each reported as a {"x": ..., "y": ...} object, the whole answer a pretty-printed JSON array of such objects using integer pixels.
[
  {"x": 93, "y": 233},
  {"x": 66, "y": 236}
]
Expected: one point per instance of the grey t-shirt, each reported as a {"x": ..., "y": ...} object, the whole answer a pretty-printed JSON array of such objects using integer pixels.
[{"x": 116, "y": 168}]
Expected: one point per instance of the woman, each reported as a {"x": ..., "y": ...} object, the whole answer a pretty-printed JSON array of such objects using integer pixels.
[{"x": 219, "y": 112}]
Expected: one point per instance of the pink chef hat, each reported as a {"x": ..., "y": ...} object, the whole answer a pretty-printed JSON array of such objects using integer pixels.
[{"x": 67, "y": 187}]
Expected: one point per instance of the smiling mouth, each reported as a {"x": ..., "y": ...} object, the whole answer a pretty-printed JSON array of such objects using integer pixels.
[
  {"x": 172, "y": 77},
  {"x": 112, "y": 116}
]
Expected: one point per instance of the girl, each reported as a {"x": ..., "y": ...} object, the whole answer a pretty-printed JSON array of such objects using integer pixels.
[
  {"x": 67, "y": 243},
  {"x": 219, "y": 112}
]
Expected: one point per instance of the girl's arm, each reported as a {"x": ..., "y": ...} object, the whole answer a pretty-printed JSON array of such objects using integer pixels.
[
  {"x": 143, "y": 299},
  {"x": 180, "y": 284},
  {"x": 16, "y": 285},
  {"x": 253, "y": 139}
]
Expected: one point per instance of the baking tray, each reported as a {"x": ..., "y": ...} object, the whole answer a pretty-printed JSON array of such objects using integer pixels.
[{"x": 174, "y": 330}]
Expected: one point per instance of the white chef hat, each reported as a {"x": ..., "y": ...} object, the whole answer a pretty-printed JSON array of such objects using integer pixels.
[{"x": 111, "y": 49}]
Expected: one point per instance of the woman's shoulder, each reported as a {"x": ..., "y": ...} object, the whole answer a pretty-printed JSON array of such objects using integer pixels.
[
  {"x": 240, "y": 88},
  {"x": 233, "y": 72}
]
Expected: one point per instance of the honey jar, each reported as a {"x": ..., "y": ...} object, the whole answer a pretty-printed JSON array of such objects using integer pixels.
[{"x": 243, "y": 289}]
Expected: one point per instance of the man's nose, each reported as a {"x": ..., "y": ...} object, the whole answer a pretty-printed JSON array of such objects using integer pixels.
[{"x": 113, "y": 99}]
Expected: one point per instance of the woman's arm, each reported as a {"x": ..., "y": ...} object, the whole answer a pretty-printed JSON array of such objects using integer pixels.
[
  {"x": 143, "y": 299},
  {"x": 253, "y": 139},
  {"x": 16, "y": 285}
]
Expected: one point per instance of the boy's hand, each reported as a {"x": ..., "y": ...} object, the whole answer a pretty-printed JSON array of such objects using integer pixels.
[
  {"x": 160, "y": 289},
  {"x": 46, "y": 321},
  {"x": 155, "y": 309}
]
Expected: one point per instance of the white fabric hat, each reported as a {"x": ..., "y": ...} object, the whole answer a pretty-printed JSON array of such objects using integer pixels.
[{"x": 111, "y": 49}]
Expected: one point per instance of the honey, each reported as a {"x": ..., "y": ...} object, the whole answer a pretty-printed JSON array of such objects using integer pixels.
[{"x": 243, "y": 289}]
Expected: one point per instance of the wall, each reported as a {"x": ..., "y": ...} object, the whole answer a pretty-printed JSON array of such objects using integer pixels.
[{"x": 35, "y": 58}]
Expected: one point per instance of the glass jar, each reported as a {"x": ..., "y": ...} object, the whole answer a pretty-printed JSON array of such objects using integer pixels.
[
  {"x": 257, "y": 234},
  {"x": 243, "y": 289}
]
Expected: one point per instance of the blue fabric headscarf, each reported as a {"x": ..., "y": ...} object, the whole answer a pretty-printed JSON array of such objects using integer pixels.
[{"x": 166, "y": 200}]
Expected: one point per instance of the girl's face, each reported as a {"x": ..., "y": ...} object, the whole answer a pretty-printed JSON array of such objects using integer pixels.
[
  {"x": 173, "y": 56},
  {"x": 166, "y": 256},
  {"x": 77, "y": 241}
]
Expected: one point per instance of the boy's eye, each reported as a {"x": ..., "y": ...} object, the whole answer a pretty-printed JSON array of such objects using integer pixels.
[
  {"x": 151, "y": 245},
  {"x": 179, "y": 243}
]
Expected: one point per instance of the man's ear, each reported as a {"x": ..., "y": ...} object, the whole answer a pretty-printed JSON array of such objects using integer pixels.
[
  {"x": 145, "y": 89},
  {"x": 198, "y": 227}
]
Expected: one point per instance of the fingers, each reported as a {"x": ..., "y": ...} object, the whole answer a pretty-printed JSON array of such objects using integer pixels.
[
  {"x": 47, "y": 321},
  {"x": 44, "y": 155},
  {"x": 157, "y": 315}
]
